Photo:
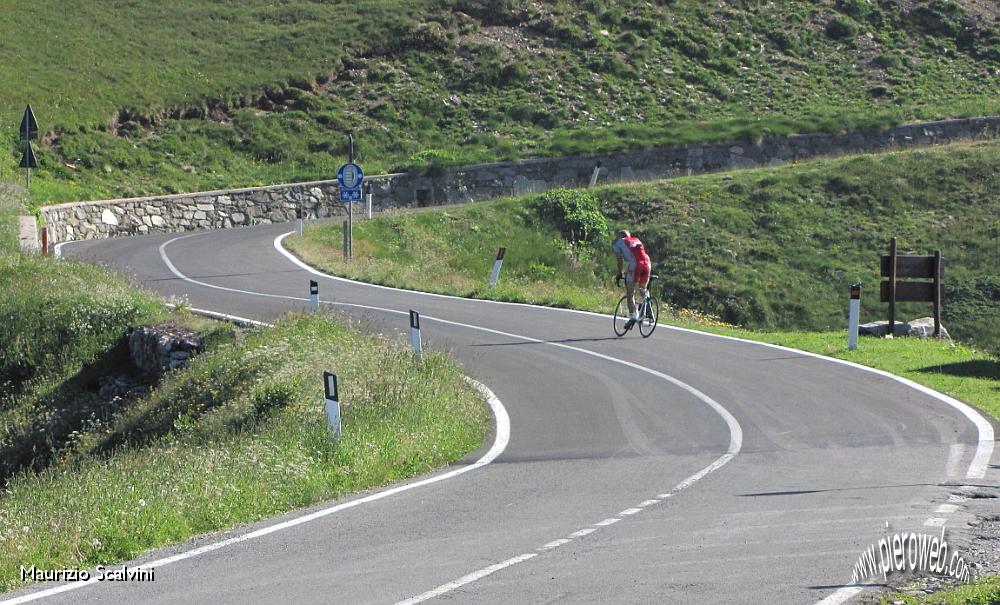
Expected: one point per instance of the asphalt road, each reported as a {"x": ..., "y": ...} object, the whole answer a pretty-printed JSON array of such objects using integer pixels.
[{"x": 683, "y": 468}]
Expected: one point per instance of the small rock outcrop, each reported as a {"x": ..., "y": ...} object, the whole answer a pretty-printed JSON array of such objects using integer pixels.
[{"x": 163, "y": 348}]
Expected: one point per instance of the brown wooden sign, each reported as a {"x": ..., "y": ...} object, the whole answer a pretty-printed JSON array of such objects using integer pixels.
[
  {"x": 910, "y": 266},
  {"x": 894, "y": 267},
  {"x": 910, "y": 291}
]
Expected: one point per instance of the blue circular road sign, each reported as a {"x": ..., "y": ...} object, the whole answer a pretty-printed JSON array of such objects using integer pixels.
[{"x": 350, "y": 176}]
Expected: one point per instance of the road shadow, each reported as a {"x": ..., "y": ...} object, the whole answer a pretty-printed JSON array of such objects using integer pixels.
[
  {"x": 801, "y": 492},
  {"x": 979, "y": 368}
]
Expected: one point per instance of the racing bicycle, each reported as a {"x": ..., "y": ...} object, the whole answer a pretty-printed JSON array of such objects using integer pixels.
[{"x": 649, "y": 313}]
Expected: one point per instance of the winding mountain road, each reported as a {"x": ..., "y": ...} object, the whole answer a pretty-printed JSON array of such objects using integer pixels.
[{"x": 683, "y": 468}]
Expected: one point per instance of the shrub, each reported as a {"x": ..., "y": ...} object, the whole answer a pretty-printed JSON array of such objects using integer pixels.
[
  {"x": 937, "y": 18},
  {"x": 862, "y": 10},
  {"x": 433, "y": 161},
  {"x": 575, "y": 213},
  {"x": 840, "y": 28},
  {"x": 513, "y": 73},
  {"x": 887, "y": 62}
]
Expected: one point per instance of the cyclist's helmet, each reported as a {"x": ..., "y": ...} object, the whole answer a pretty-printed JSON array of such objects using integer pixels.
[{"x": 624, "y": 233}]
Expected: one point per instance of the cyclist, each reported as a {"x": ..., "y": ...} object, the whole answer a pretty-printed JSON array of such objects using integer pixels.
[{"x": 629, "y": 250}]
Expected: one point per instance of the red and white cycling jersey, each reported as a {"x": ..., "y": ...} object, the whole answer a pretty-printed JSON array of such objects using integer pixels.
[{"x": 632, "y": 250}]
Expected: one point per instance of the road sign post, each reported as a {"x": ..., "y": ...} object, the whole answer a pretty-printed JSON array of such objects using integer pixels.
[
  {"x": 28, "y": 132},
  {"x": 350, "y": 176},
  {"x": 345, "y": 238},
  {"x": 313, "y": 296}
]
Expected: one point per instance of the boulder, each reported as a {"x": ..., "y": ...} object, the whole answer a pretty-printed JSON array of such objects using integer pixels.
[
  {"x": 924, "y": 328},
  {"x": 918, "y": 328},
  {"x": 881, "y": 328}
]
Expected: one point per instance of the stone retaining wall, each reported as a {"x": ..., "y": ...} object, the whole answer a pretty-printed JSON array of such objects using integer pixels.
[{"x": 279, "y": 203}]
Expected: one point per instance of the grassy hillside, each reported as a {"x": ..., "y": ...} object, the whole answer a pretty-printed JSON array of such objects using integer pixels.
[
  {"x": 239, "y": 436},
  {"x": 225, "y": 94},
  {"x": 56, "y": 316},
  {"x": 767, "y": 249}
]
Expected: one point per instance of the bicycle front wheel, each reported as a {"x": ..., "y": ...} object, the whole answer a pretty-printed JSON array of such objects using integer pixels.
[
  {"x": 621, "y": 317},
  {"x": 650, "y": 315}
]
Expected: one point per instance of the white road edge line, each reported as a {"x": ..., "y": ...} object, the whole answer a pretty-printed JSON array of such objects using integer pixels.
[
  {"x": 57, "y": 249},
  {"x": 444, "y": 588},
  {"x": 977, "y": 467},
  {"x": 467, "y": 579},
  {"x": 735, "y": 430},
  {"x": 500, "y": 442},
  {"x": 735, "y": 444},
  {"x": 984, "y": 449}
]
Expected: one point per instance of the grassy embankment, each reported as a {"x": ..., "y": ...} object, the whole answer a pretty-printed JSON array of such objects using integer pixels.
[
  {"x": 772, "y": 249},
  {"x": 985, "y": 591},
  {"x": 239, "y": 436},
  {"x": 259, "y": 92}
]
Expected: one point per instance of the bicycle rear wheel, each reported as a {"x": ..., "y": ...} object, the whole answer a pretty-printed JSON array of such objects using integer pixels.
[
  {"x": 621, "y": 317},
  {"x": 650, "y": 315}
]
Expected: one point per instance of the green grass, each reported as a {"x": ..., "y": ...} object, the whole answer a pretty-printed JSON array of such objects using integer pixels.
[
  {"x": 960, "y": 371},
  {"x": 771, "y": 249},
  {"x": 766, "y": 249},
  {"x": 799, "y": 234},
  {"x": 238, "y": 437},
  {"x": 983, "y": 591},
  {"x": 257, "y": 92},
  {"x": 452, "y": 250},
  {"x": 57, "y": 316}
]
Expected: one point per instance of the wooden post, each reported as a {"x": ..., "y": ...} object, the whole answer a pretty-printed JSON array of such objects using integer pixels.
[
  {"x": 937, "y": 294},
  {"x": 892, "y": 287}
]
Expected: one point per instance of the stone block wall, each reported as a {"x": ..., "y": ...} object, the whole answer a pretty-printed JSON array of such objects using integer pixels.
[
  {"x": 188, "y": 212},
  {"x": 279, "y": 203}
]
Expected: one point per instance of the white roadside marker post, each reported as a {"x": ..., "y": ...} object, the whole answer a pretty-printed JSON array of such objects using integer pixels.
[
  {"x": 313, "y": 296},
  {"x": 368, "y": 201},
  {"x": 332, "y": 404},
  {"x": 415, "y": 341},
  {"x": 496, "y": 267},
  {"x": 298, "y": 221},
  {"x": 852, "y": 317}
]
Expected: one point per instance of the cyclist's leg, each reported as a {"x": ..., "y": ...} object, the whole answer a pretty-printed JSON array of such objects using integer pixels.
[
  {"x": 630, "y": 291},
  {"x": 642, "y": 278}
]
